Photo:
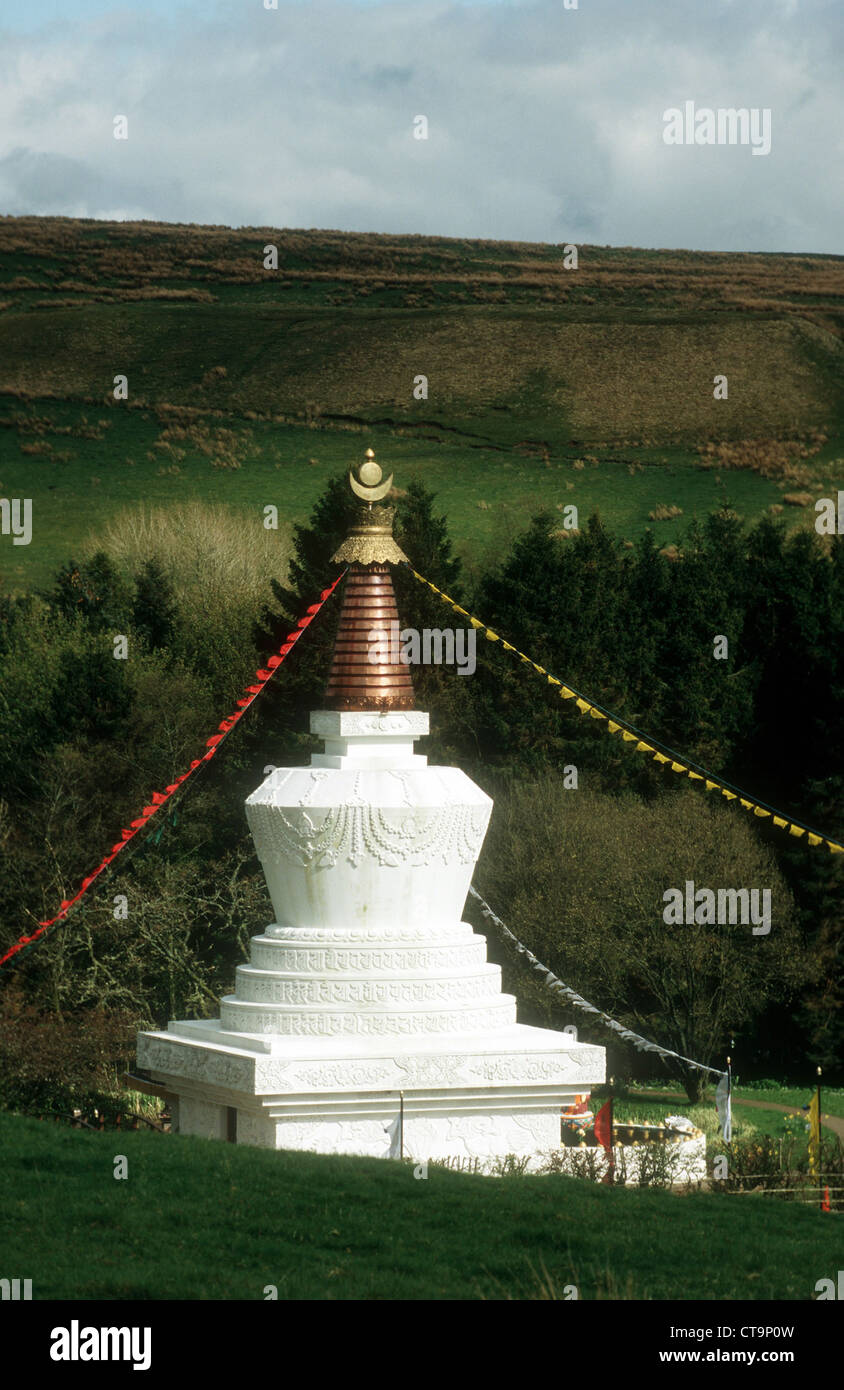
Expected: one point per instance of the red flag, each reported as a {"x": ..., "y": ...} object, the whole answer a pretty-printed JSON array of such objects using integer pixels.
[
  {"x": 603, "y": 1134},
  {"x": 825, "y": 1202},
  {"x": 603, "y": 1126}
]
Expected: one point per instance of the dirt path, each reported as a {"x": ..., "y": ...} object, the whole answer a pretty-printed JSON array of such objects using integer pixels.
[{"x": 830, "y": 1122}]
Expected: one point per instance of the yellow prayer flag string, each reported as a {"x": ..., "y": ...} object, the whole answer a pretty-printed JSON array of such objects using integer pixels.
[{"x": 615, "y": 727}]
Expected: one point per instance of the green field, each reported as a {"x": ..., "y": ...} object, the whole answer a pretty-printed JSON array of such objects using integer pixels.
[
  {"x": 198, "y": 1219},
  {"x": 546, "y": 387},
  {"x": 769, "y": 1092},
  {"x": 487, "y": 494}
]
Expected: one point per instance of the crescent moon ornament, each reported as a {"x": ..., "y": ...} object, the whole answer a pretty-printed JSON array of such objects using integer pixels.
[{"x": 370, "y": 488}]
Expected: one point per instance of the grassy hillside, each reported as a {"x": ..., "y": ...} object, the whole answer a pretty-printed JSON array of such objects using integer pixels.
[
  {"x": 197, "y": 1219},
  {"x": 509, "y": 376},
  {"x": 546, "y": 386}
]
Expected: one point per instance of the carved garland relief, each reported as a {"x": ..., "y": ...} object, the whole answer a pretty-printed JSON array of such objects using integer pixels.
[{"x": 450, "y": 835}]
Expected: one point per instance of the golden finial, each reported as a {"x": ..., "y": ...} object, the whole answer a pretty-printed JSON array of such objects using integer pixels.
[{"x": 370, "y": 540}]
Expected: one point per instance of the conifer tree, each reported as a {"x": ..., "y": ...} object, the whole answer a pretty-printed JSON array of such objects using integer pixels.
[{"x": 154, "y": 607}]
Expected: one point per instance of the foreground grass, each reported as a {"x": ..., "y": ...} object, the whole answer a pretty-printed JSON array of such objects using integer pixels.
[{"x": 203, "y": 1220}]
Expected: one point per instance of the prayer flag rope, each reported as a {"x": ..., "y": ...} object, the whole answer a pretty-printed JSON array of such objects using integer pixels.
[
  {"x": 159, "y": 799},
  {"x": 550, "y": 979},
  {"x": 643, "y": 742}
]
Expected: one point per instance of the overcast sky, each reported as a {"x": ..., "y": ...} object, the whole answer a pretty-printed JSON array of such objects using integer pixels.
[{"x": 544, "y": 123}]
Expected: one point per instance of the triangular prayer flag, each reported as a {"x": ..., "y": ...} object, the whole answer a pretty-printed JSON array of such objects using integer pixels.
[
  {"x": 603, "y": 1126},
  {"x": 723, "y": 1105},
  {"x": 814, "y": 1128}
]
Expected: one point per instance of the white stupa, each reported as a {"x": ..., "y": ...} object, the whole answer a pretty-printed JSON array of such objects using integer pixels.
[{"x": 368, "y": 1020}]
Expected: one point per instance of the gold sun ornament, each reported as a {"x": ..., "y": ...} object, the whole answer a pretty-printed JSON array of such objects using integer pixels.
[{"x": 368, "y": 485}]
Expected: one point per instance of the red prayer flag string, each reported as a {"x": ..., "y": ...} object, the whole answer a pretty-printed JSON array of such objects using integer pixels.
[{"x": 159, "y": 799}]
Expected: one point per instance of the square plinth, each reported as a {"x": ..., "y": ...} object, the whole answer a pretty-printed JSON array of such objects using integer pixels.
[{"x": 467, "y": 1098}]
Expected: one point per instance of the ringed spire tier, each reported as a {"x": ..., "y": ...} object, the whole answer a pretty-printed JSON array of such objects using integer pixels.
[{"x": 368, "y": 609}]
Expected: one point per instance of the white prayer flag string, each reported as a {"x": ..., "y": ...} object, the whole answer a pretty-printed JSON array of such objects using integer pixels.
[{"x": 641, "y": 1044}]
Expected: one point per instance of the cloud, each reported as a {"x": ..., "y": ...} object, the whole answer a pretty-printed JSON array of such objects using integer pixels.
[
  {"x": 29, "y": 178},
  {"x": 544, "y": 124}
]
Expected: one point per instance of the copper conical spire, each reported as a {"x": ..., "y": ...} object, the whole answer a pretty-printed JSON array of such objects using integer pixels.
[
  {"x": 356, "y": 682},
  {"x": 366, "y": 672}
]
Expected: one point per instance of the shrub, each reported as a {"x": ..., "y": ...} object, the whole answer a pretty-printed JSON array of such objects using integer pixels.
[
  {"x": 218, "y": 563},
  {"x": 52, "y": 1064}
]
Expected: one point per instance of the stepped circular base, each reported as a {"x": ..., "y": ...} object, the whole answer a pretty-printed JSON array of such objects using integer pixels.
[
  {"x": 465, "y": 988},
  {"x": 241, "y": 1016},
  {"x": 326, "y": 953}
]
